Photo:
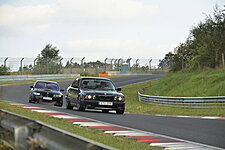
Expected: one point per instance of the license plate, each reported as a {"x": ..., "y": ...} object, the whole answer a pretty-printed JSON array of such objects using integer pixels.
[
  {"x": 47, "y": 98},
  {"x": 106, "y": 103}
]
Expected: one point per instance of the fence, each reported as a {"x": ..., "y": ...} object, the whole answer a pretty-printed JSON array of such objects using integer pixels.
[
  {"x": 185, "y": 102},
  {"x": 78, "y": 65},
  {"x": 37, "y": 77},
  {"x": 23, "y": 134}
]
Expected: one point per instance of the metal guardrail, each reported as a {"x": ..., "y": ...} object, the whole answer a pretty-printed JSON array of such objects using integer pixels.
[
  {"x": 36, "y": 77},
  {"x": 127, "y": 73},
  {"x": 25, "y": 134},
  {"x": 192, "y": 102}
]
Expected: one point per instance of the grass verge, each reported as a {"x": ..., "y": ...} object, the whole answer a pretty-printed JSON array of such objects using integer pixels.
[
  {"x": 210, "y": 83},
  {"x": 190, "y": 84},
  {"x": 92, "y": 134}
]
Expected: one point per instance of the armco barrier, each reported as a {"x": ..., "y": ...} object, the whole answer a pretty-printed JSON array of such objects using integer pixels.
[
  {"x": 36, "y": 77},
  {"x": 192, "y": 102},
  {"x": 24, "y": 134}
]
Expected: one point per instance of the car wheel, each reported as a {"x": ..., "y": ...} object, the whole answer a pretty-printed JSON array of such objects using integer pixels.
[
  {"x": 59, "y": 104},
  {"x": 30, "y": 100},
  {"x": 120, "y": 111},
  {"x": 80, "y": 107},
  {"x": 105, "y": 111},
  {"x": 68, "y": 105}
]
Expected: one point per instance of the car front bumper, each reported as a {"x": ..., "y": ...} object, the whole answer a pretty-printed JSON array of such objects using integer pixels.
[
  {"x": 94, "y": 104},
  {"x": 52, "y": 100}
]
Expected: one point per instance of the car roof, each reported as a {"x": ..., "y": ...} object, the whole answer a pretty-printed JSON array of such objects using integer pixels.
[
  {"x": 94, "y": 78},
  {"x": 46, "y": 81}
]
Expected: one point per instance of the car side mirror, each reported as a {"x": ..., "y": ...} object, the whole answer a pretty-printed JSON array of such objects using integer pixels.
[
  {"x": 118, "y": 89},
  {"x": 61, "y": 90},
  {"x": 31, "y": 86}
]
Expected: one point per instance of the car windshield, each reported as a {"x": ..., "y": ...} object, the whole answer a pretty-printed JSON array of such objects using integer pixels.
[
  {"x": 47, "y": 85},
  {"x": 97, "y": 84}
]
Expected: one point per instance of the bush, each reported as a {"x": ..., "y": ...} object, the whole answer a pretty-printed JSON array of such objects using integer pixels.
[{"x": 4, "y": 70}]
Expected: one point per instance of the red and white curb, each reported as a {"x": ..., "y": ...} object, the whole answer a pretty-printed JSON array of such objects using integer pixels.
[
  {"x": 198, "y": 117},
  {"x": 165, "y": 142}
]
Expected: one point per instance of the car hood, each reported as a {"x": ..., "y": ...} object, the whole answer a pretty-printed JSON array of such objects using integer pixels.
[
  {"x": 48, "y": 91},
  {"x": 106, "y": 93}
]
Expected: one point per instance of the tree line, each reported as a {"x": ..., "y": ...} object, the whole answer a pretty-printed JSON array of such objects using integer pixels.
[{"x": 204, "y": 47}]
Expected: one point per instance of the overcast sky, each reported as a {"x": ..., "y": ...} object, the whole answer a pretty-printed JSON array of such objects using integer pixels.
[{"x": 99, "y": 28}]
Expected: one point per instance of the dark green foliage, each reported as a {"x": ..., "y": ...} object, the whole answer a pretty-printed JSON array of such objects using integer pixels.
[
  {"x": 94, "y": 64},
  {"x": 50, "y": 52},
  {"x": 4, "y": 70},
  {"x": 204, "y": 48},
  {"x": 49, "y": 61}
]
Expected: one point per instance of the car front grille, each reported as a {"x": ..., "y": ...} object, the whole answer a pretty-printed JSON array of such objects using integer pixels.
[
  {"x": 106, "y": 98},
  {"x": 45, "y": 94}
]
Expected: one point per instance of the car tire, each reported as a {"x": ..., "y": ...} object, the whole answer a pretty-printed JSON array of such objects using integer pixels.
[
  {"x": 80, "y": 107},
  {"x": 120, "y": 111},
  {"x": 68, "y": 105},
  {"x": 59, "y": 104},
  {"x": 105, "y": 110},
  {"x": 30, "y": 100}
]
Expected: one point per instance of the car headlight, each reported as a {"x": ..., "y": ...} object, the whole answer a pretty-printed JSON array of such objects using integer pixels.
[
  {"x": 57, "y": 96},
  {"x": 90, "y": 97},
  {"x": 119, "y": 98},
  {"x": 36, "y": 93}
]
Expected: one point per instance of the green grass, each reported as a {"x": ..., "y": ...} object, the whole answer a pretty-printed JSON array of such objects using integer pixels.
[
  {"x": 92, "y": 134},
  {"x": 209, "y": 83},
  {"x": 187, "y": 84}
]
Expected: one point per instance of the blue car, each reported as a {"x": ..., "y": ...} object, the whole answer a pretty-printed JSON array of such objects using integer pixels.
[{"x": 46, "y": 91}]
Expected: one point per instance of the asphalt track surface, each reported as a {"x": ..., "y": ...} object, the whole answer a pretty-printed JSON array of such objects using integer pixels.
[{"x": 204, "y": 131}]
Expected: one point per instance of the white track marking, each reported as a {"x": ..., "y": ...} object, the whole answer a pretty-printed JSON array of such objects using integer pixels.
[
  {"x": 210, "y": 117},
  {"x": 80, "y": 123},
  {"x": 132, "y": 134},
  {"x": 183, "y": 116},
  {"x": 115, "y": 132},
  {"x": 92, "y": 124},
  {"x": 33, "y": 107},
  {"x": 46, "y": 111},
  {"x": 65, "y": 117}
]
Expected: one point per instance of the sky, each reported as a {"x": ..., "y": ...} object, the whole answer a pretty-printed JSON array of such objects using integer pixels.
[{"x": 97, "y": 29}]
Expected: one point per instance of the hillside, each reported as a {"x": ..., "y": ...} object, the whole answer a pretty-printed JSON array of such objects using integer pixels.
[{"x": 184, "y": 83}]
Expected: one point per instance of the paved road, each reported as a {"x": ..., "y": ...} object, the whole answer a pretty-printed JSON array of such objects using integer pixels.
[{"x": 209, "y": 132}]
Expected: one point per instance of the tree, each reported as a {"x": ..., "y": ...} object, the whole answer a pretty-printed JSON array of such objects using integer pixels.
[
  {"x": 50, "y": 52},
  {"x": 49, "y": 60},
  {"x": 4, "y": 70},
  {"x": 204, "y": 47}
]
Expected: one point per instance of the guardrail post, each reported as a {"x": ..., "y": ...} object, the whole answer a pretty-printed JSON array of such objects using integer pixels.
[
  {"x": 105, "y": 64},
  {"x": 82, "y": 64},
  {"x": 136, "y": 64},
  {"x": 112, "y": 64},
  {"x": 21, "y": 65},
  {"x": 71, "y": 65},
  {"x": 150, "y": 64},
  {"x": 5, "y": 61}
]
